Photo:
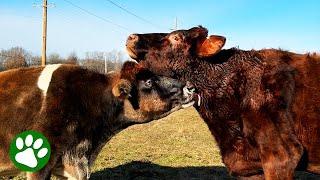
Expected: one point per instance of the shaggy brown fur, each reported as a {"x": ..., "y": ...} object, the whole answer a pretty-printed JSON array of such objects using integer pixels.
[
  {"x": 80, "y": 111},
  {"x": 262, "y": 107}
]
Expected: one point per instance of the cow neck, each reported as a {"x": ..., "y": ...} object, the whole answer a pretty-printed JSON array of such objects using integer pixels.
[
  {"x": 105, "y": 118},
  {"x": 217, "y": 81},
  {"x": 210, "y": 74}
]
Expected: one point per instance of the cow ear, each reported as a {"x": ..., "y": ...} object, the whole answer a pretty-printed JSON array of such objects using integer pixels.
[
  {"x": 210, "y": 46},
  {"x": 122, "y": 89}
]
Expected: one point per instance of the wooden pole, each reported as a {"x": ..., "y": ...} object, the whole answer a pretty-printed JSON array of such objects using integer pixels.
[
  {"x": 176, "y": 24},
  {"x": 44, "y": 33},
  {"x": 105, "y": 63}
]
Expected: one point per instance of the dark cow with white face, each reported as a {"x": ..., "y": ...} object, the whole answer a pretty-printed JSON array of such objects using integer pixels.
[
  {"x": 79, "y": 111},
  {"x": 262, "y": 106}
]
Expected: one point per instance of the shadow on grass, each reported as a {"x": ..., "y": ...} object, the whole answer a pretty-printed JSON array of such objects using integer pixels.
[{"x": 146, "y": 170}]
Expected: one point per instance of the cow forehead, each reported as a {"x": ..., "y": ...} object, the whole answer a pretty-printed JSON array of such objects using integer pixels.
[{"x": 46, "y": 76}]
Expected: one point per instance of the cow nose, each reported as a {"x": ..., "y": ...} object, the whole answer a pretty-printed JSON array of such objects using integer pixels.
[
  {"x": 177, "y": 88},
  {"x": 174, "y": 90},
  {"x": 132, "y": 38}
]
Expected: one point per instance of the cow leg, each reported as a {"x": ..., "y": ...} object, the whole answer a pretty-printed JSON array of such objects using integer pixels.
[
  {"x": 243, "y": 160},
  {"x": 313, "y": 152},
  {"x": 45, "y": 172},
  {"x": 245, "y": 169},
  {"x": 280, "y": 150},
  {"x": 77, "y": 169},
  {"x": 8, "y": 170}
]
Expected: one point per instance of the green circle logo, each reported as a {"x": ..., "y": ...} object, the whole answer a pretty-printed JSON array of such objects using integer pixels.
[{"x": 30, "y": 151}]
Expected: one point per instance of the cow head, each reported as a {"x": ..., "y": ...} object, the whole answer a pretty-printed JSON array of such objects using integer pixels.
[
  {"x": 194, "y": 41},
  {"x": 147, "y": 96},
  {"x": 168, "y": 53}
]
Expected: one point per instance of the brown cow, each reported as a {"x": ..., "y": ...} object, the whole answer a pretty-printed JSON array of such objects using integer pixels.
[
  {"x": 262, "y": 107},
  {"x": 79, "y": 110}
]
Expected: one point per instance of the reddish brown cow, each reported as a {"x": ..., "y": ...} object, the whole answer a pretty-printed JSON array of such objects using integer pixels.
[
  {"x": 262, "y": 107},
  {"x": 79, "y": 111}
]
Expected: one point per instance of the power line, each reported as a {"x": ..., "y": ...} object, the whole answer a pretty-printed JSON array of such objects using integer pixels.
[
  {"x": 133, "y": 14},
  {"x": 65, "y": 18},
  {"x": 99, "y": 17}
]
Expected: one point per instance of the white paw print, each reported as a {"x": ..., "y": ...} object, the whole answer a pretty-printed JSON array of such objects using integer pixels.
[{"x": 27, "y": 157}]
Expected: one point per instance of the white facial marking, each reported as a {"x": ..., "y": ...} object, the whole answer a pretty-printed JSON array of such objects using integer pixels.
[{"x": 45, "y": 77}]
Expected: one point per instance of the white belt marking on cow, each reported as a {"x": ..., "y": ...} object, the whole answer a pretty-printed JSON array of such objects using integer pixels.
[
  {"x": 45, "y": 77},
  {"x": 111, "y": 72}
]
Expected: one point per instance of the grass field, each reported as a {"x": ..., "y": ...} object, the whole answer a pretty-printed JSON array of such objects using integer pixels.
[
  {"x": 179, "y": 146},
  {"x": 175, "y": 147}
]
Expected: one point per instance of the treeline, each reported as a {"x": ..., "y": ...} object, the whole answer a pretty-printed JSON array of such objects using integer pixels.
[{"x": 17, "y": 57}]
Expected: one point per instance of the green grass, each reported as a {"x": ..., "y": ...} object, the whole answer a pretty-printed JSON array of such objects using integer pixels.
[
  {"x": 179, "y": 146},
  {"x": 181, "y": 139}
]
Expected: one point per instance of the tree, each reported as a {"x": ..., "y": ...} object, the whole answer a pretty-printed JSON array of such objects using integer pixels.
[
  {"x": 54, "y": 58},
  {"x": 72, "y": 58},
  {"x": 14, "y": 58},
  {"x": 18, "y": 57},
  {"x": 96, "y": 60},
  {"x": 35, "y": 61}
]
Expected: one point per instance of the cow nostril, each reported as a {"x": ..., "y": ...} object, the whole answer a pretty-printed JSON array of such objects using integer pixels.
[
  {"x": 133, "y": 37},
  {"x": 191, "y": 89},
  {"x": 174, "y": 91}
]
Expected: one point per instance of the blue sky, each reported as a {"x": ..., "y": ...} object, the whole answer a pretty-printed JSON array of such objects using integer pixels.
[{"x": 250, "y": 24}]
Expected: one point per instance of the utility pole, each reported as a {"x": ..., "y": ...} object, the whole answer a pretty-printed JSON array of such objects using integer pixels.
[
  {"x": 44, "y": 33},
  {"x": 176, "y": 24},
  {"x": 105, "y": 63},
  {"x": 116, "y": 61}
]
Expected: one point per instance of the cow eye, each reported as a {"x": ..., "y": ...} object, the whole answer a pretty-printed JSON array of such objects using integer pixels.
[{"x": 148, "y": 83}]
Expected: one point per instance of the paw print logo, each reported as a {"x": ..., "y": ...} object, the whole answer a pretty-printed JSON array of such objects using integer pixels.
[{"x": 30, "y": 151}]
